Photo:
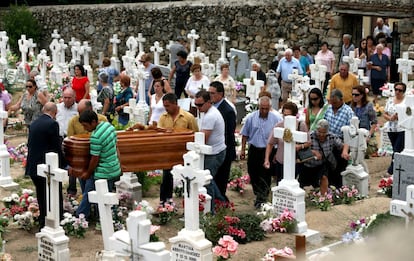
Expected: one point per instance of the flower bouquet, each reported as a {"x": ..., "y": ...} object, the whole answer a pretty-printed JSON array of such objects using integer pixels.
[
  {"x": 166, "y": 212},
  {"x": 386, "y": 186},
  {"x": 226, "y": 247},
  {"x": 323, "y": 202},
  {"x": 278, "y": 254},
  {"x": 285, "y": 223},
  {"x": 238, "y": 181},
  {"x": 74, "y": 226}
]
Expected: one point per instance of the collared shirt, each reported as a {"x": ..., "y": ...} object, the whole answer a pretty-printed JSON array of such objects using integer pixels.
[
  {"x": 341, "y": 118},
  {"x": 344, "y": 85},
  {"x": 184, "y": 120},
  {"x": 285, "y": 68},
  {"x": 75, "y": 127},
  {"x": 63, "y": 117},
  {"x": 257, "y": 129}
]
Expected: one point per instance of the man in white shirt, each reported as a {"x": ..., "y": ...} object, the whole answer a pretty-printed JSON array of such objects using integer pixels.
[
  {"x": 66, "y": 110},
  {"x": 381, "y": 27}
]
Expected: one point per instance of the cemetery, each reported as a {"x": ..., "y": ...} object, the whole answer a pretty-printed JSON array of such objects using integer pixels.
[{"x": 348, "y": 223}]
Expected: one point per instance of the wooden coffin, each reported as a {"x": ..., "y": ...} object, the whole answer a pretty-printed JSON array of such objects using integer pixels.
[{"x": 139, "y": 150}]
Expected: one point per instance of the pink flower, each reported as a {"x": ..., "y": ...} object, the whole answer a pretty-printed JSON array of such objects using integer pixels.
[
  {"x": 220, "y": 251},
  {"x": 154, "y": 229}
]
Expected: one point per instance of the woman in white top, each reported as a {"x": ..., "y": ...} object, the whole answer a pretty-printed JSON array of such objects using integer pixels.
[
  {"x": 228, "y": 82},
  {"x": 157, "y": 106},
  {"x": 196, "y": 82}
]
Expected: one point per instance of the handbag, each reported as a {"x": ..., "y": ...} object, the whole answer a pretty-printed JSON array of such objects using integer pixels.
[{"x": 305, "y": 155}]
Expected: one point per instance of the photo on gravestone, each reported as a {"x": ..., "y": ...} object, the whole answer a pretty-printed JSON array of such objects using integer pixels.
[{"x": 403, "y": 175}]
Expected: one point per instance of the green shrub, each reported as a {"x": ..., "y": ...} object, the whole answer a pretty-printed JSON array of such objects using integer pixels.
[
  {"x": 17, "y": 21},
  {"x": 250, "y": 223}
]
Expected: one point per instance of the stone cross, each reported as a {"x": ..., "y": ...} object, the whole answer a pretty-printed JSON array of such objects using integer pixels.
[
  {"x": 115, "y": 41},
  {"x": 85, "y": 50},
  {"x": 193, "y": 177},
  {"x": 105, "y": 201},
  {"x": 356, "y": 138},
  {"x": 156, "y": 49},
  {"x": 3, "y": 53},
  {"x": 5, "y": 179},
  {"x": 404, "y": 208},
  {"x": 305, "y": 88},
  {"x": 63, "y": 47},
  {"x": 353, "y": 62},
  {"x": 76, "y": 52},
  {"x": 55, "y": 34},
  {"x": 406, "y": 120},
  {"x": 141, "y": 40},
  {"x": 53, "y": 174},
  {"x": 55, "y": 49},
  {"x": 132, "y": 45},
  {"x": 318, "y": 73},
  {"x": 253, "y": 86},
  {"x": 73, "y": 50},
  {"x": 128, "y": 62},
  {"x": 193, "y": 37},
  {"x": 223, "y": 38},
  {"x": 23, "y": 48},
  {"x": 32, "y": 45},
  {"x": 43, "y": 59},
  {"x": 361, "y": 77},
  {"x": 281, "y": 45},
  {"x": 132, "y": 103},
  {"x": 405, "y": 67},
  {"x": 295, "y": 77},
  {"x": 199, "y": 146},
  {"x": 290, "y": 136}
]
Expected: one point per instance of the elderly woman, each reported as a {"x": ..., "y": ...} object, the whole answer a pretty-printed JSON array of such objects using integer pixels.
[
  {"x": 380, "y": 71},
  {"x": 326, "y": 57},
  {"x": 196, "y": 82},
  {"x": 31, "y": 102},
  {"x": 106, "y": 96},
  {"x": 228, "y": 82},
  {"x": 324, "y": 163},
  {"x": 122, "y": 99}
]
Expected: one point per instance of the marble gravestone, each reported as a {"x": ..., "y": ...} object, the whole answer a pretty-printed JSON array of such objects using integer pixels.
[
  {"x": 115, "y": 62},
  {"x": 190, "y": 243},
  {"x": 253, "y": 86},
  {"x": 3, "y": 54},
  {"x": 52, "y": 242},
  {"x": 239, "y": 63},
  {"x": 355, "y": 174},
  {"x": 129, "y": 184},
  {"x": 405, "y": 67},
  {"x": 405, "y": 208}
]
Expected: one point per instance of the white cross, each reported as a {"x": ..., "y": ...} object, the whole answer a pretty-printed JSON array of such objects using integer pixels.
[
  {"x": 156, "y": 49},
  {"x": 55, "y": 34},
  {"x": 281, "y": 45},
  {"x": 105, "y": 201},
  {"x": 3, "y": 44},
  {"x": 168, "y": 47},
  {"x": 132, "y": 103},
  {"x": 23, "y": 48},
  {"x": 404, "y": 208},
  {"x": 318, "y": 73},
  {"x": 115, "y": 41},
  {"x": 76, "y": 51},
  {"x": 63, "y": 47},
  {"x": 193, "y": 177},
  {"x": 356, "y": 138},
  {"x": 128, "y": 62},
  {"x": 32, "y": 45},
  {"x": 43, "y": 59},
  {"x": 55, "y": 48},
  {"x": 223, "y": 39},
  {"x": 353, "y": 62},
  {"x": 305, "y": 88},
  {"x": 290, "y": 136},
  {"x": 253, "y": 86},
  {"x": 199, "y": 146},
  {"x": 361, "y": 77},
  {"x": 132, "y": 45},
  {"x": 193, "y": 37},
  {"x": 85, "y": 50},
  {"x": 405, "y": 67},
  {"x": 295, "y": 77},
  {"x": 53, "y": 174},
  {"x": 406, "y": 121},
  {"x": 141, "y": 40}
]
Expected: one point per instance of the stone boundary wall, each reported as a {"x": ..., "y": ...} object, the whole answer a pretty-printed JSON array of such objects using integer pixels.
[{"x": 253, "y": 26}]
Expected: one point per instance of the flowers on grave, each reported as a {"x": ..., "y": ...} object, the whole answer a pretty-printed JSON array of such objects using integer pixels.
[
  {"x": 145, "y": 206},
  {"x": 18, "y": 153},
  {"x": 240, "y": 87},
  {"x": 201, "y": 202},
  {"x": 153, "y": 236},
  {"x": 238, "y": 181},
  {"x": 165, "y": 212},
  {"x": 178, "y": 188},
  {"x": 120, "y": 211},
  {"x": 23, "y": 208},
  {"x": 70, "y": 204},
  {"x": 74, "y": 226},
  {"x": 12, "y": 59},
  {"x": 323, "y": 202},
  {"x": 55, "y": 91},
  {"x": 346, "y": 195},
  {"x": 226, "y": 247},
  {"x": 285, "y": 223},
  {"x": 285, "y": 252},
  {"x": 251, "y": 106},
  {"x": 221, "y": 222},
  {"x": 334, "y": 196},
  {"x": 386, "y": 186}
]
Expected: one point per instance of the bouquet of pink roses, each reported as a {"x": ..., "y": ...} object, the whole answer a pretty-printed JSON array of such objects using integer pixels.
[{"x": 226, "y": 246}]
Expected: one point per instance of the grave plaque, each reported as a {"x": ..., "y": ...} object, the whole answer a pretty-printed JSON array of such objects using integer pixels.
[
  {"x": 403, "y": 175},
  {"x": 49, "y": 250},
  {"x": 182, "y": 251},
  {"x": 283, "y": 199}
]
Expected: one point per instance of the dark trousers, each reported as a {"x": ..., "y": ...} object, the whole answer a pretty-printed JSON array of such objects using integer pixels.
[
  {"x": 72, "y": 186},
  {"x": 397, "y": 141},
  {"x": 40, "y": 187},
  {"x": 223, "y": 174},
  {"x": 260, "y": 177},
  {"x": 166, "y": 188}
]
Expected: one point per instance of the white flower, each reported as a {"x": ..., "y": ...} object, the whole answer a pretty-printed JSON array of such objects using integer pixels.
[
  {"x": 15, "y": 197},
  {"x": 27, "y": 191},
  {"x": 7, "y": 199},
  {"x": 30, "y": 199},
  {"x": 67, "y": 215}
]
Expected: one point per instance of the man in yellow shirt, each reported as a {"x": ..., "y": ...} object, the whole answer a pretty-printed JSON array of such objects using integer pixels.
[
  {"x": 74, "y": 126},
  {"x": 343, "y": 81},
  {"x": 174, "y": 117}
]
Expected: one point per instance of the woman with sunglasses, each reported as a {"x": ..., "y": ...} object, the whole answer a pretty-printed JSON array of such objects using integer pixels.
[
  {"x": 316, "y": 109},
  {"x": 31, "y": 102},
  {"x": 395, "y": 133}
]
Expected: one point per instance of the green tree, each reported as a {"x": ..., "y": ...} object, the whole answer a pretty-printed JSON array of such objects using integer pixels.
[{"x": 17, "y": 21}]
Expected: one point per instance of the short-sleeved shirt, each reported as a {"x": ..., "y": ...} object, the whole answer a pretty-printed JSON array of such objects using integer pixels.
[
  {"x": 326, "y": 59},
  {"x": 344, "y": 85},
  {"x": 103, "y": 144},
  {"x": 285, "y": 68},
  {"x": 184, "y": 120},
  {"x": 75, "y": 127},
  {"x": 214, "y": 122},
  {"x": 107, "y": 93},
  {"x": 257, "y": 129},
  {"x": 383, "y": 63},
  {"x": 341, "y": 118}
]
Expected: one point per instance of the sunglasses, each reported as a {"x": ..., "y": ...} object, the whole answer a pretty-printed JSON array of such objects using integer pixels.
[
  {"x": 314, "y": 99},
  {"x": 199, "y": 104},
  {"x": 398, "y": 90},
  {"x": 29, "y": 86},
  {"x": 356, "y": 94}
]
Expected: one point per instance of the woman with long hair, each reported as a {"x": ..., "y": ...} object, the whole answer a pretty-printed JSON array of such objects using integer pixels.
[
  {"x": 316, "y": 109},
  {"x": 80, "y": 83}
]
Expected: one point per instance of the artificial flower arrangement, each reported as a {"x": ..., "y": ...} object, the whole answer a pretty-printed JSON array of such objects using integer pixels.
[
  {"x": 18, "y": 153},
  {"x": 285, "y": 223},
  {"x": 23, "y": 208},
  {"x": 225, "y": 247},
  {"x": 334, "y": 196},
  {"x": 70, "y": 204},
  {"x": 74, "y": 226},
  {"x": 386, "y": 186},
  {"x": 273, "y": 252},
  {"x": 165, "y": 212},
  {"x": 238, "y": 181}
]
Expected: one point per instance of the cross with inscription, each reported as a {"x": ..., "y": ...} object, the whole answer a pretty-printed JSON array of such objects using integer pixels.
[
  {"x": 193, "y": 37},
  {"x": 156, "y": 49},
  {"x": 105, "y": 201},
  {"x": 404, "y": 208},
  {"x": 290, "y": 136},
  {"x": 405, "y": 67},
  {"x": 193, "y": 177},
  {"x": 406, "y": 120},
  {"x": 53, "y": 175}
]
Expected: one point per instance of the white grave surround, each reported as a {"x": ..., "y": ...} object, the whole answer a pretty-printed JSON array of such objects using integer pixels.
[
  {"x": 128, "y": 183},
  {"x": 52, "y": 242},
  {"x": 405, "y": 208},
  {"x": 135, "y": 242},
  {"x": 288, "y": 194}
]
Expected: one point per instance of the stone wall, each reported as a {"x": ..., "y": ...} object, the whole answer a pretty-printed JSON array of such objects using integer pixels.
[{"x": 253, "y": 26}]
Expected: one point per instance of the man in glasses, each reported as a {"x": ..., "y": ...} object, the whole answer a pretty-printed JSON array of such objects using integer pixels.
[
  {"x": 212, "y": 124},
  {"x": 343, "y": 81}
]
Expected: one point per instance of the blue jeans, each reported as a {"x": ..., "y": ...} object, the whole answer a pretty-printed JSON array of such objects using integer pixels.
[
  {"x": 212, "y": 163},
  {"x": 85, "y": 206}
]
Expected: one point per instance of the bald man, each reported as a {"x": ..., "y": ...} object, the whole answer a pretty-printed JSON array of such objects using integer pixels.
[
  {"x": 66, "y": 110},
  {"x": 74, "y": 126}
]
